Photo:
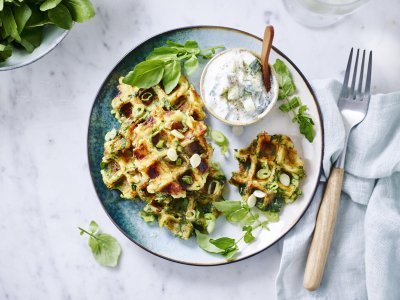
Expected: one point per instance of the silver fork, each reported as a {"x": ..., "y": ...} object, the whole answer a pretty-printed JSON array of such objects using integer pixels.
[{"x": 353, "y": 105}]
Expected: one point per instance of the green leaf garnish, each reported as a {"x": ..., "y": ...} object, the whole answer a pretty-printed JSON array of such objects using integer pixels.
[
  {"x": 105, "y": 248},
  {"x": 146, "y": 74},
  {"x": 172, "y": 73},
  {"x": 203, "y": 240},
  {"x": 286, "y": 89},
  {"x": 227, "y": 207},
  {"x": 168, "y": 65},
  {"x": 223, "y": 243},
  {"x": 290, "y": 105},
  {"x": 191, "y": 64}
]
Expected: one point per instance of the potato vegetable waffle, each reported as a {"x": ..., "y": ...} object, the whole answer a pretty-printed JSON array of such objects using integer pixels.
[
  {"x": 269, "y": 172},
  {"x": 160, "y": 156}
]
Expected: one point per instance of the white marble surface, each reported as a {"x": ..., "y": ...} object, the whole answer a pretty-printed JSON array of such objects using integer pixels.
[{"x": 45, "y": 187}]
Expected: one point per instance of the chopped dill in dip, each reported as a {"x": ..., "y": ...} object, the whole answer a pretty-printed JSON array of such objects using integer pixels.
[{"x": 233, "y": 86}]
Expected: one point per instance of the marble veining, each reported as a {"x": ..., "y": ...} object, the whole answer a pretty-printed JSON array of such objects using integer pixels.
[{"x": 45, "y": 187}]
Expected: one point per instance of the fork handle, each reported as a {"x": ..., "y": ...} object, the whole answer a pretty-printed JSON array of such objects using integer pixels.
[{"x": 323, "y": 232}]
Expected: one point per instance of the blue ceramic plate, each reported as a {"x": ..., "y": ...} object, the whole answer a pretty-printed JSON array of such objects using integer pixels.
[{"x": 159, "y": 241}]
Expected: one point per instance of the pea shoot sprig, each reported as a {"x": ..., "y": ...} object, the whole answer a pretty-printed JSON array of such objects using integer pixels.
[
  {"x": 105, "y": 248},
  {"x": 164, "y": 64},
  {"x": 294, "y": 105},
  {"x": 240, "y": 213}
]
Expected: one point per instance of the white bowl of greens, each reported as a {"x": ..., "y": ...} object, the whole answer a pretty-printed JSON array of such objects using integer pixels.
[{"x": 31, "y": 29}]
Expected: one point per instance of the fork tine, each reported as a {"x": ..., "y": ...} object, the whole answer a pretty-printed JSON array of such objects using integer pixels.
[
  {"x": 368, "y": 83},
  {"x": 361, "y": 74},
  {"x": 344, "y": 91},
  {"x": 353, "y": 82}
]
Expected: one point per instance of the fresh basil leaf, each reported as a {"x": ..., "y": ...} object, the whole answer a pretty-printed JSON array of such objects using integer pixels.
[
  {"x": 227, "y": 207},
  {"x": 223, "y": 243},
  {"x": 191, "y": 64},
  {"x": 203, "y": 241},
  {"x": 163, "y": 53},
  {"x": 81, "y": 10},
  {"x": 230, "y": 253},
  {"x": 191, "y": 44},
  {"x": 248, "y": 237},
  {"x": 49, "y": 4},
  {"x": 106, "y": 249},
  {"x": 290, "y": 105},
  {"x": 238, "y": 215},
  {"x": 9, "y": 25},
  {"x": 22, "y": 14},
  {"x": 172, "y": 73},
  {"x": 306, "y": 127},
  {"x": 93, "y": 227},
  {"x": 285, "y": 80},
  {"x": 146, "y": 74},
  {"x": 5, "y": 52},
  {"x": 31, "y": 38},
  {"x": 60, "y": 16}
]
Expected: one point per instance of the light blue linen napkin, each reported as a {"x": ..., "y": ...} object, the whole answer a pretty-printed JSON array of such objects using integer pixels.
[{"x": 364, "y": 259}]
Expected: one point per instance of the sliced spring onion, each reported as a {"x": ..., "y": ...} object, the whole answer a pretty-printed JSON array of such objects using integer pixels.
[
  {"x": 218, "y": 137},
  {"x": 139, "y": 110},
  {"x": 177, "y": 134},
  {"x": 259, "y": 194},
  {"x": 195, "y": 160},
  {"x": 213, "y": 187},
  {"x": 273, "y": 186},
  {"x": 190, "y": 215},
  {"x": 178, "y": 161},
  {"x": 110, "y": 135},
  {"x": 160, "y": 144},
  {"x": 187, "y": 179},
  {"x": 251, "y": 201},
  {"x": 262, "y": 173},
  {"x": 146, "y": 96},
  {"x": 171, "y": 154},
  {"x": 284, "y": 179}
]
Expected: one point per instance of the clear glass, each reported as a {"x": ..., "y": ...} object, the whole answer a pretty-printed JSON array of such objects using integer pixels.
[{"x": 321, "y": 13}]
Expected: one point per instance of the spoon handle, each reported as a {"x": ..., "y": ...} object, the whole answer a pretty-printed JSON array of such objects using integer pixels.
[{"x": 266, "y": 48}]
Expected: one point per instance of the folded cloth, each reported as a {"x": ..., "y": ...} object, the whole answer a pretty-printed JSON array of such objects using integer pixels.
[{"x": 364, "y": 258}]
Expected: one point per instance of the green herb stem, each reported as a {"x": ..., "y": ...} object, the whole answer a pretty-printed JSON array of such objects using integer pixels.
[{"x": 87, "y": 232}]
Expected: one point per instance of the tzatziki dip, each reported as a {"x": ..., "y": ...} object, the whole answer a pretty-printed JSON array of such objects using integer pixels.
[{"x": 233, "y": 87}]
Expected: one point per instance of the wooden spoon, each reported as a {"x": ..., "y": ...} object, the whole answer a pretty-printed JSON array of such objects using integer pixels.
[{"x": 266, "y": 48}]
